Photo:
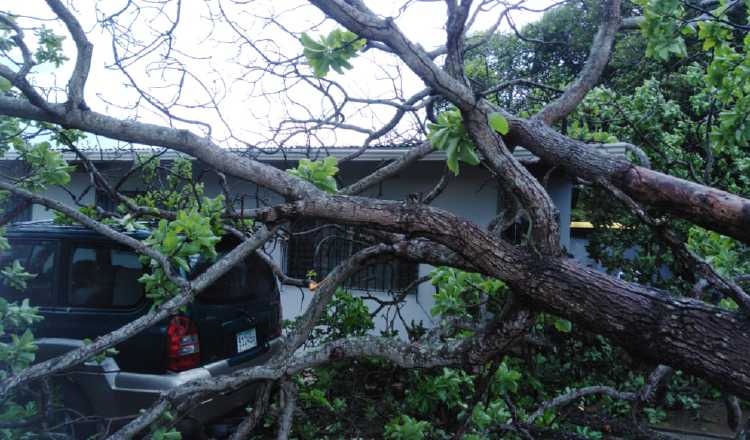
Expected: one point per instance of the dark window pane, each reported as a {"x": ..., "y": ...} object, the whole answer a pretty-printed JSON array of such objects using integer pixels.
[
  {"x": 38, "y": 258},
  {"x": 105, "y": 202},
  {"x": 321, "y": 248},
  {"x": 104, "y": 277},
  {"x": 247, "y": 281}
]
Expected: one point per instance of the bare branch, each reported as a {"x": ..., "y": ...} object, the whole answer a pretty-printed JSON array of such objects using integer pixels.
[{"x": 576, "y": 394}]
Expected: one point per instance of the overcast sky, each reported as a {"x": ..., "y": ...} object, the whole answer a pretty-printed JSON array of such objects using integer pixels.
[{"x": 251, "y": 103}]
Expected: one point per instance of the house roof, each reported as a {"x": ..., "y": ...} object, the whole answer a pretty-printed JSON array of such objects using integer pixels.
[{"x": 372, "y": 154}]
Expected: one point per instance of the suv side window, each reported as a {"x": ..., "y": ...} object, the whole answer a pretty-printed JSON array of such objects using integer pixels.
[
  {"x": 37, "y": 257},
  {"x": 103, "y": 276}
]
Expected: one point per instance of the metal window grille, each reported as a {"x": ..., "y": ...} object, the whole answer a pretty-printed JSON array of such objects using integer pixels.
[
  {"x": 320, "y": 248},
  {"x": 105, "y": 202}
]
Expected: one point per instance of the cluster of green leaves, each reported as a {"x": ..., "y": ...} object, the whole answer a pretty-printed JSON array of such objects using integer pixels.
[
  {"x": 345, "y": 315},
  {"x": 407, "y": 428},
  {"x": 15, "y": 276},
  {"x": 332, "y": 51},
  {"x": 461, "y": 294},
  {"x": 320, "y": 173},
  {"x": 728, "y": 256},
  {"x": 725, "y": 62},
  {"x": 662, "y": 28},
  {"x": 171, "y": 186},
  {"x": 192, "y": 236},
  {"x": 163, "y": 429},
  {"x": 448, "y": 134},
  {"x": 16, "y": 321},
  {"x": 49, "y": 47},
  {"x": 48, "y": 167},
  {"x": 17, "y": 352}
]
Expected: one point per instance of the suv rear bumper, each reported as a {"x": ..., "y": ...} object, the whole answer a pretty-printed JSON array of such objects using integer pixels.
[{"x": 114, "y": 393}]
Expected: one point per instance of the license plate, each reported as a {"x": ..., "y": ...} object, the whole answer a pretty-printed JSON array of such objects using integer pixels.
[{"x": 246, "y": 340}]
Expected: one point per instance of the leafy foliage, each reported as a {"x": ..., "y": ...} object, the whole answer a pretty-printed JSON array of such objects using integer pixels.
[
  {"x": 190, "y": 237},
  {"x": 48, "y": 167},
  {"x": 406, "y": 428},
  {"x": 449, "y": 134},
  {"x": 461, "y": 294},
  {"x": 498, "y": 122},
  {"x": 345, "y": 315},
  {"x": 49, "y": 49},
  {"x": 662, "y": 29},
  {"x": 318, "y": 172},
  {"x": 15, "y": 276},
  {"x": 332, "y": 51}
]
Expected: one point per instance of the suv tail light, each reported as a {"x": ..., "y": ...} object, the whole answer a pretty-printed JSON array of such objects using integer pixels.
[{"x": 183, "y": 346}]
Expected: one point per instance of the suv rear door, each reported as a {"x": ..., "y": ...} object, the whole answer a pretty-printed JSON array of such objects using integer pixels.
[{"x": 239, "y": 314}]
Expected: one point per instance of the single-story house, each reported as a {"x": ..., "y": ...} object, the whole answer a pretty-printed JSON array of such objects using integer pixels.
[{"x": 472, "y": 194}]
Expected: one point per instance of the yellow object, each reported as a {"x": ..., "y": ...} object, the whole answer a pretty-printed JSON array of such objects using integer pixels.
[{"x": 588, "y": 225}]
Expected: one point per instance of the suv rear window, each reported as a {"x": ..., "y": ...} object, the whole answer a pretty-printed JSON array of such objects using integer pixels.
[
  {"x": 104, "y": 276},
  {"x": 248, "y": 281},
  {"x": 38, "y": 258}
]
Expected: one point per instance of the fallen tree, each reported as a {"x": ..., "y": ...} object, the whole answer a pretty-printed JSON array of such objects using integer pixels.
[{"x": 681, "y": 332}]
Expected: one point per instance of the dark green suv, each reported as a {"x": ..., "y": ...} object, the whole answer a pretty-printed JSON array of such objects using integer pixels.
[{"x": 86, "y": 285}]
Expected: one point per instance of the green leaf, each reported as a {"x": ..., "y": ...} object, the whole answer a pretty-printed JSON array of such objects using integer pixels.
[
  {"x": 332, "y": 51},
  {"x": 498, "y": 123},
  {"x": 319, "y": 172},
  {"x": 5, "y": 85},
  {"x": 563, "y": 325},
  {"x": 311, "y": 44},
  {"x": 469, "y": 156}
]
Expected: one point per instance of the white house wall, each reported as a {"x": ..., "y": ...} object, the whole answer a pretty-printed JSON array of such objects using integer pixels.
[{"x": 473, "y": 195}]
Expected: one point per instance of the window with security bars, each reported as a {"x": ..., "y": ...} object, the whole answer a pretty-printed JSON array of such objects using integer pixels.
[
  {"x": 320, "y": 248},
  {"x": 105, "y": 201}
]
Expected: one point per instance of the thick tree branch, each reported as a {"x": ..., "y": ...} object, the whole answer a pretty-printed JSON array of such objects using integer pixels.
[
  {"x": 600, "y": 51},
  {"x": 289, "y": 394},
  {"x": 83, "y": 58},
  {"x": 543, "y": 214},
  {"x": 691, "y": 261},
  {"x": 709, "y": 207},
  {"x": 359, "y": 19}
]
